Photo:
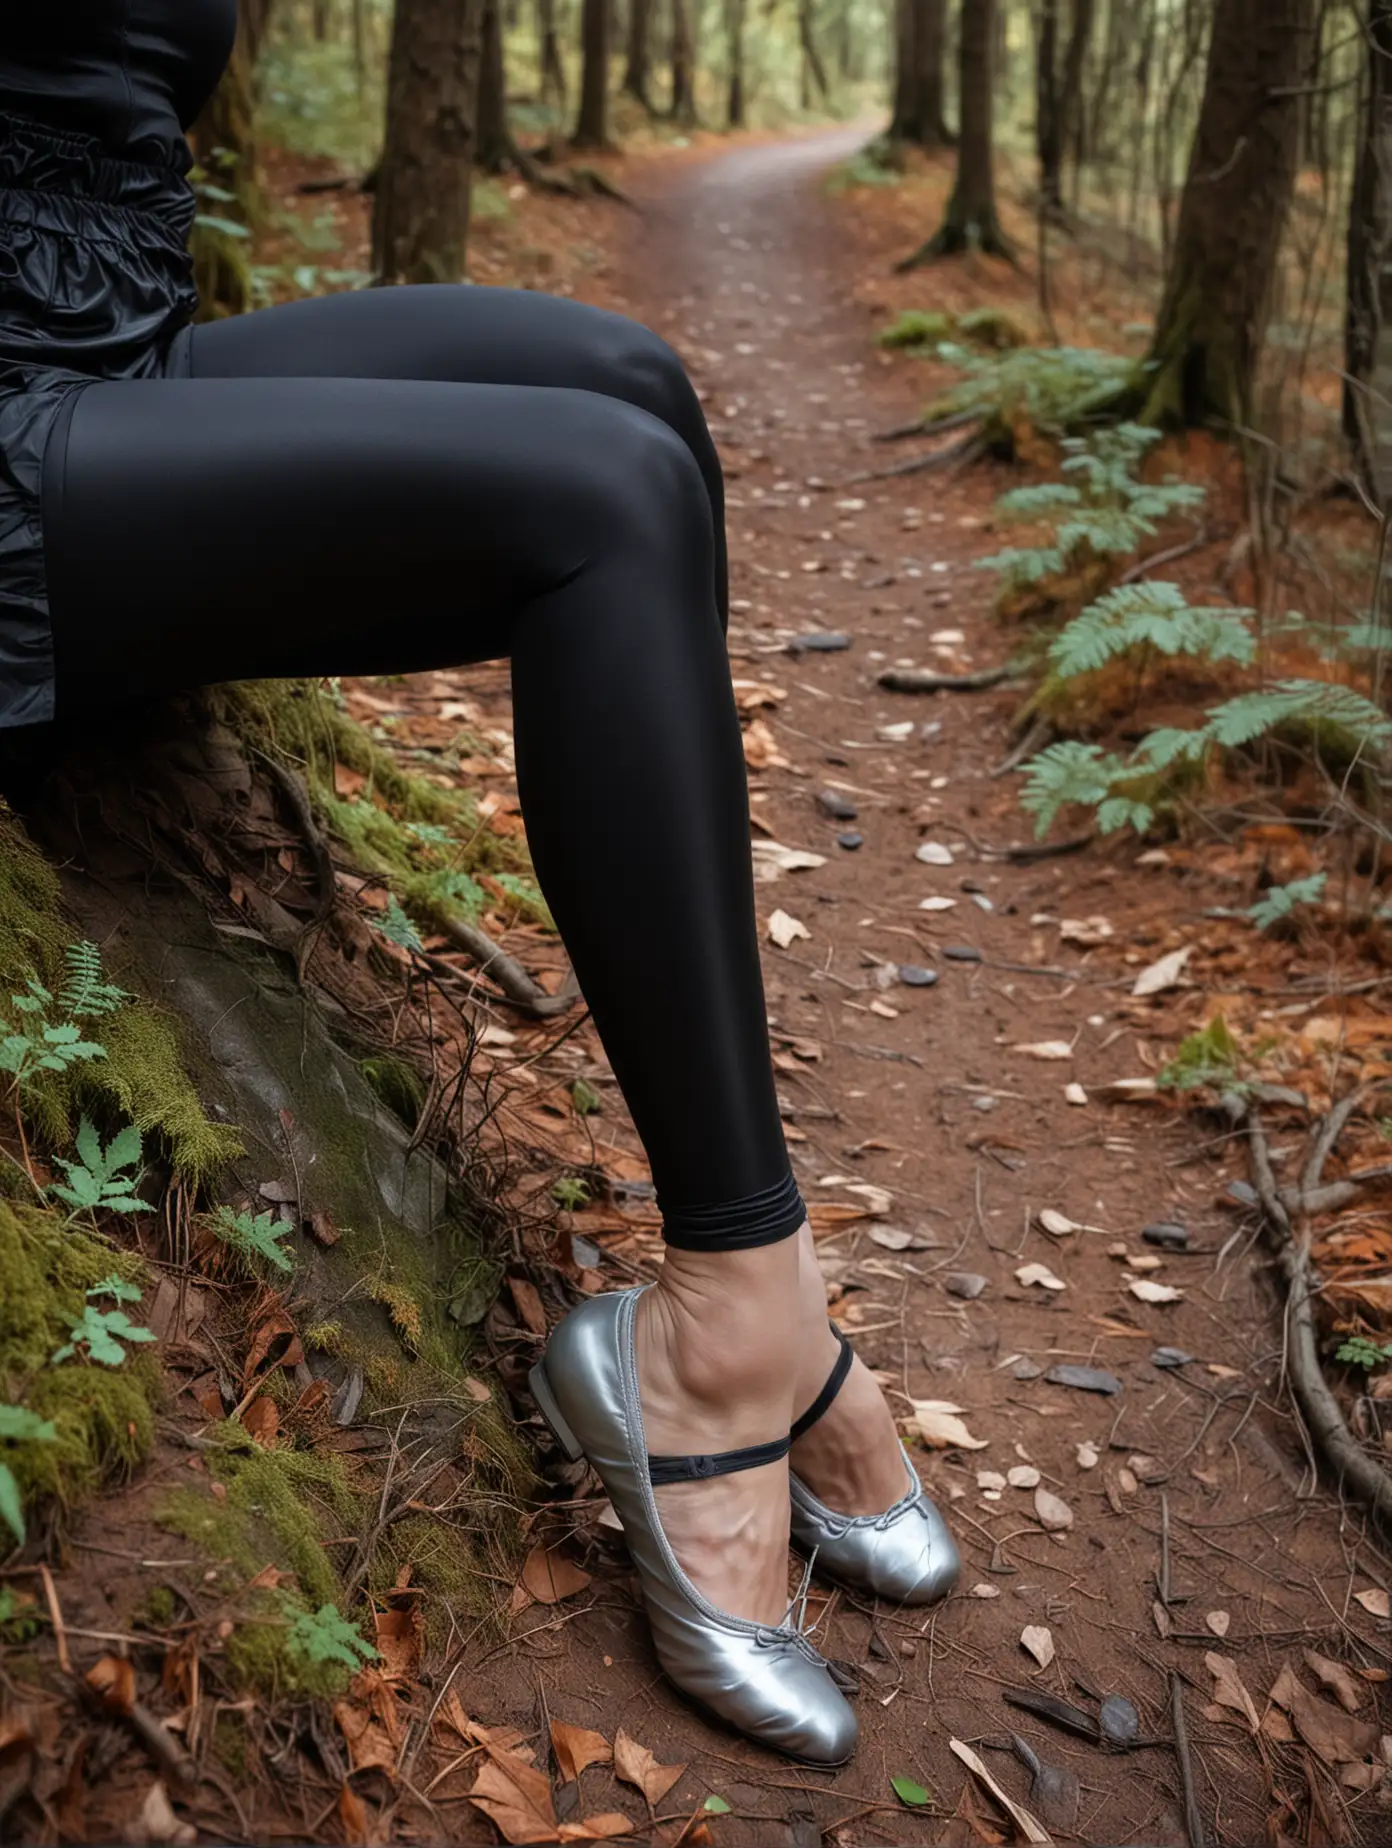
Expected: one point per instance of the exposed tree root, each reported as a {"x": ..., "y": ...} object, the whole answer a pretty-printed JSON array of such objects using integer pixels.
[
  {"x": 1034, "y": 738},
  {"x": 518, "y": 987},
  {"x": 969, "y": 450},
  {"x": 923, "y": 680},
  {"x": 1285, "y": 1212},
  {"x": 932, "y": 426},
  {"x": 956, "y": 240}
]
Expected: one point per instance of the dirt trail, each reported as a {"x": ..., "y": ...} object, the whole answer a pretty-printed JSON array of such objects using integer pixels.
[{"x": 922, "y": 1091}]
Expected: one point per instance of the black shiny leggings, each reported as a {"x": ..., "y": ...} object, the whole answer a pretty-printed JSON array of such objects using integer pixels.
[{"x": 423, "y": 477}]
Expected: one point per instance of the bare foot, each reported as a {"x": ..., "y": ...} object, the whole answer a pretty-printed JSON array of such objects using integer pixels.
[
  {"x": 717, "y": 1359},
  {"x": 851, "y": 1458}
]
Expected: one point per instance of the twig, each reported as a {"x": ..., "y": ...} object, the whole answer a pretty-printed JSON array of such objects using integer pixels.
[
  {"x": 518, "y": 987},
  {"x": 55, "y": 1614},
  {"x": 936, "y": 426},
  {"x": 968, "y": 450},
  {"x": 1193, "y": 1818},
  {"x": 1144, "y": 566},
  {"x": 924, "y": 680},
  {"x": 1163, "y": 1582},
  {"x": 1033, "y": 739}
]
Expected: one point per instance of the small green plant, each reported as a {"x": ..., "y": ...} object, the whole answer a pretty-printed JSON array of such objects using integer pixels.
[
  {"x": 397, "y": 928},
  {"x": 1360, "y": 1351},
  {"x": 46, "y": 1036},
  {"x": 325, "y": 1637},
  {"x": 86, "y": 994},
  {"x": 97, "y": 1180},
  {"x": 910, "y": 1792},
  {"x": 1280, "y": 901},
  {"x": 584, "y": 1099},
  {"x": 253, "y": 1238},
  {"x": 571, "y": 1193},
  {"x": 1051, "y": 391},
  {"x": 101, "y": 1331},
  {"x": 1208, "y": 1057},
  {"x": 18, "y": 1426}
]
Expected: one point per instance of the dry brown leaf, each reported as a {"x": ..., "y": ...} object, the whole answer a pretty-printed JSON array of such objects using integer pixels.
[
  {"x": 1039, "y": 1642},
  {"x": 1041, "y": 1275},
  {"x": 940, "y": 1425},
  {"x": 1228, "y": 1689},
  {"x": 527, "y": 1302},
  {"x": 1163, "y": 974},
  {"x": 636, "y": 1765},
  {"x": 112, "y": 1680},
  {"x": 1338, "y": 1679},
  {"x": 597, "y": 1828},
  {"x": 353, "y": 1824},
  {"x": 1029, "y": 1826},
  {"x": 1375, "y": 1602},
  {"x": 269, "y": 1578},
  {"x": 400, "y": 1639},
  {"x": 1218, "y": 1622},
  {"x": 261, "y": 1421},
  {"x": 549, "y": 1576},
  {"x": 1149, "y": 1292},
  {"x": 370, "y": 1743},
  {"x": 576, "y": 1747},
  {"x": 1333, "y": 1735},
  {"x": 761, "y": 751},
  {"x": 516, "y": 1798},
  {"x": 783, "y": 929}
]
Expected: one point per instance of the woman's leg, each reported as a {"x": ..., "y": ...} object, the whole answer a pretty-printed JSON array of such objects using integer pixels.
[
  {"x": 207, "y": 530},
  {"x": 466, "y": 335}
]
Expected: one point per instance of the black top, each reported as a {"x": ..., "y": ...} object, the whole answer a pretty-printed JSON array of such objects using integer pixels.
[{"x": 132, "y": 74}]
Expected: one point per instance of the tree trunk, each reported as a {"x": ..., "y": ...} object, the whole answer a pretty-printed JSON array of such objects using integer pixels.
[
  {"x": 920, "y": 45},
  {"x": 420, "y": 226},
  {"x": 814, "y": 71},
  {"x": 1048, "y": 125},
  {"x": 683, "y": 104},
  {"x": 320, "y": 23},
  {"x": 553, "y": 77},
  {"x": 636, "y": 71},
  {"x": 592, "y": 124},
  {"x": 1368, "y": 327},
  {"x": 494, "y": 151},
  {"x": 972, "y": 221},
  {"x": 734, "y": 44},
  {"x": 1203, "y": 360}
]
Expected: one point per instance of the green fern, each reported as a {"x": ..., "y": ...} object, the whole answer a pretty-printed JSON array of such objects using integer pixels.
[
  {"x": 86, "y": 992},
  {"x": 1280, "y": 901},
  {"x": 18, "y": 1426},
  {"x": 397, "y": 927},
  {"x": 253, "y": 1238},
  {"x": 101, "y": 1332},
  {"x": 1153, "y": 616},
  {"x": 1208, "y": 1057},
  {"x": 97, "y": 1180},
  {"x": 1071, "y": 773},
  {"x": 324, "y": 1637}
]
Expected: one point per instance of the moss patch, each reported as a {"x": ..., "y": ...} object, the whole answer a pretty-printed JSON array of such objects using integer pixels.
[{"x": 103, "y": 1416}]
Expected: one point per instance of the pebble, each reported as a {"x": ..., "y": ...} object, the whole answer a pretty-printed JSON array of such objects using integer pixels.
[
  {"x": 1084, "y": 1379},
  {"x": 1025, "y": 1369},
  {"x": 1170, "y": 1357},
  {"x": 1119, "y": 1720},
  {"x": 1168, "y": 1234},
  {"x": 985, "y": 1104},
  {"x": 966, "y": 1284},
  {"x": 829, "y": 641},
  {"x": 962, "y": 952},
  {"x": 838, "y": 807},
  {"x": 1244, "y": 1193},
  {"x": 850, "y": 841},
  {"x": 914, "y": 975}
]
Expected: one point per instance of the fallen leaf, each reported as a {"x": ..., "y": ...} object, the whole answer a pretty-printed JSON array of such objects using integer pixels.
[
  {"x": 1162, "y": 974},
  {"x": 909, "y": 1792},
  {"x": 1039, "y": 1274},
  {"x": 400, "y": 1638},
  {"x": 636, "y": 1765},
  {"x": 940, "y": 1426},
  {"x": 1039, "y": 1642},
  {"x": 1333, "y": 1735},
  {"x": 261, "y": 1421},
  {"x": 1046, "y": 1049},
  {"x": 1228, "y": 1689},
  {"x": 596, "y": 1828},
  {"x": 1085, "y": 931},
  {"x": 990, "y": 1479},
  {"x": 526, "y": 1299},
  {"x": 352, "y": 1818},
  {"x": 269, "y": 1578},
  {"x": 1150, "y": 1292},
  {"x": 516, "y": 1798},
  {"x": 878, "y": 1200},
  {"x": 1375, "y": 1602},
  {"x": 549, "y": 1576},
  {"x": 1029, "y": 1826},
  {"x": 984, "y": 1591},
  {"x": 933, "y": 853},
  {"x": 1074, "y": 1094},
  {"x": 370, "y": 1745},
  {"x": 157, "y": 1821},
  {"x": 937, "y": 904},
  {"x": 1058, "y": 1225},
  {"x": 785, "y": 930},
  {"x": 1218, "y": 1622},
  {"x": 1053, "y": 1514},
  {"x": 772, "y": 860},
  {"x": 761, "y": 749},
  {"x": 1023, "y": 1476},
  {"x": 1088, "y": 1456},
  {"x": 576, "y": 1747},
  {"x": 1336, "y": 1678},
  {"x": 112, "y": 1680}
]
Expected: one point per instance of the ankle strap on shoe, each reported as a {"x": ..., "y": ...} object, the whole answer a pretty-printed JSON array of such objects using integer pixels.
[
  {"x": 836, "y": 1379},
  {"x": 663, "y": 1470}
]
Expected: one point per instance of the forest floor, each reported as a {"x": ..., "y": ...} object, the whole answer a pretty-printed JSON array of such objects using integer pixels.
[{"x": 947, "y": 1078}]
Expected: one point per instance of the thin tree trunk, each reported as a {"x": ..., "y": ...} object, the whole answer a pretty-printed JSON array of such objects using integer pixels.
[
  {"x": 920, "y": 48},
  {"x": 813, "y": 68},
  {"x": 683, "y": 104},
  {"x": 1048, "y": 126},
  {"x": 420, "y": 226},
  {"x": 1368, "y": 327},
  {"x": 552, "y": 65},
  {"x": 734, "y": 43},
  {"x": 320, "y": 20},
  {"x": 494, "y": 149},
  {"x": 1203, "y": 359},
  {"x": 636, "y": 82},
  {"x": 592, "y": 124},
  {"x": 972, "y": 221}
]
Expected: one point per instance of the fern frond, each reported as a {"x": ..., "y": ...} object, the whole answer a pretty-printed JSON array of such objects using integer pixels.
[
  {"x": 85, "y": 990},
  {"x": 1251, "y": 715},
  {"x": 1151, "y": 614},
  {"x": 1066, "y": 773}
]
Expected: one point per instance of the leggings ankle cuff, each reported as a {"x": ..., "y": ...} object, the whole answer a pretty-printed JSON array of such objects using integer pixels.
[{"x": 763, "y": 1218}]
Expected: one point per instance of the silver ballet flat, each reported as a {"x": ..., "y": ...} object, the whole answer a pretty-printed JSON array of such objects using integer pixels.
[
  {"x": 766, "y": 1680},
  {"x": 905, "y": 1555}
]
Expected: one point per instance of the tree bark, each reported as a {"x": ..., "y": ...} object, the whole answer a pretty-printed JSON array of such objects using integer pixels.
[
  {"x": 1222, "y": 274},
  {"x": 683, "y": 104},
  {"x": 813, "y": 70},
  {"x": 494, "y": 150},
  {"x": 420, "y": 227},
  {"x": 1048, "y": 127},
  {"x": 920, "y": 48},
  {"x": 592, "y": 124},
  {"x": 320, "y": 23},
  {"x": 553, "y": 77},
  {"x": 637, "y": 72},
  {"x": 734, "y": 51},
  {"x": 972, "y": 221},
  {"x": 1368, "y": 326}
]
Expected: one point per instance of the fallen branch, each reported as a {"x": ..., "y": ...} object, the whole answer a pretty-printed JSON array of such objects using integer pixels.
[
  {"x": 518, "y": 988},
  {"x": 1324, "y": 1419},
  {"x": 1144, "y": 566},
  {"x": 1034, "y": 739},
  {"x": 924, "y": 680},
  {"x": 970, "y": 449},
  {"x": 1193, "y": 1817},
  {"x": 933, "y": 426}
]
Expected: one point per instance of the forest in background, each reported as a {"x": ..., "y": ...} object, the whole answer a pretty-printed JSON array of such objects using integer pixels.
[{"x": 1140, "y": 293}]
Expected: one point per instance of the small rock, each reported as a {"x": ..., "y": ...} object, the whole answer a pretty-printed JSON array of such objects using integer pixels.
[
  {"x": 1170, "y": 1357},
  {"x": 962, "y": 952},
  {"x": 933, "y": 853},
  {"x": 984, "y": 1591},
  {"x": 908, "y": 1648},
  {"x": 1119, "y": 1720},
  {"x": 914, "y": 975},
  {"x": 1053, "y": 1514},
  {"x": 1219, "y": 1622},
  {"x": 1168, "y": 1234},
  {"x": 850, "y": 841},
  {"x": 837, "y": 807},
  {"x": 1039, "y": 1642},
  {"x": 968, "y": 1285},
  {"x": 1244, "y": 1193},
  {"x": 1025, "y": 1369},
  {"x": 990, "y": 1479},
  {"x": 1087, "y": 1455},
  {"x": 1023, "y": 1476},
  {"x": 985, "y": 1104},
  {"x": 1083, "y": 1379},
  {"x": 827, "y": 642}
]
